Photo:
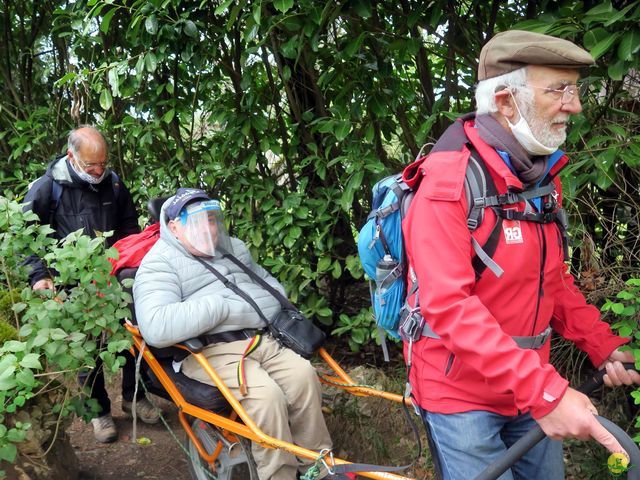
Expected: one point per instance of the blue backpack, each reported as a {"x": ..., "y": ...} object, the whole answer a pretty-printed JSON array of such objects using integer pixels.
[{"x": 381, "y": 245}]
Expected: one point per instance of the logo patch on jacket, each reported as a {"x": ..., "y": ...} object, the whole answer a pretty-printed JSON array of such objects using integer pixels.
[{"x": 512, "y": 231}]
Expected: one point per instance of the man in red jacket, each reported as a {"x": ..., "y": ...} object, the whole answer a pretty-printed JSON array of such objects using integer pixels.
[{"x": 480, "y": 373}]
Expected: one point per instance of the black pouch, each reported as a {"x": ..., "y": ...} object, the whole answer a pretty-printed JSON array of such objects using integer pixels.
[
  {"x": 290, "y": 327},
  {"x": 293, "y": 330}
]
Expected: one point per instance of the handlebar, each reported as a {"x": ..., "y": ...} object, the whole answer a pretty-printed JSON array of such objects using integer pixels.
[{"x": 535, "y": 435}]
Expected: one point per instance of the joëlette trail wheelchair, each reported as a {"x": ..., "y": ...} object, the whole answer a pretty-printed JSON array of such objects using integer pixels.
[{"x": 219, "y": 431}]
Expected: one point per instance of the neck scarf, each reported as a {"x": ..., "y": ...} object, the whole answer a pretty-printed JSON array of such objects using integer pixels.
[{"x": 529, "y": 169}]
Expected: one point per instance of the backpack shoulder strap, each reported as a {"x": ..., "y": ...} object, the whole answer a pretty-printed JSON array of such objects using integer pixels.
[
  {"x": 56, "y": 194},
  {"x": 479, "y": 186},
  {"x": 116, "y": 184}
]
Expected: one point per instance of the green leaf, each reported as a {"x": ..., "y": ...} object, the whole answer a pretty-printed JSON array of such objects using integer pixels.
[
  {"x": 617, "y": 70},
  {"x": 324, "y": 263},
  {"x": 8, "y": 452},
  {"x": 353, "y": 46},
  {"x": 151, "y": 25},
  {"x": 190, "y": 29},
  {"x": 603, "y": 46},
  {"x": 341, "y": 130},
  {"x": 106, "y": 20},
  {"x": 31, "y": 360},
  {"x": 25, "y": 377},
  {"x": 105, "y": 99},
  {"x": 168, "y": 116},
  {"x": 151, "y": 62},
  {"x": 14, "y": 346},
  {"x": 603, "y": 8},
  {"x": 336, "y": 271},
  {"x": 222, "y": 7},
  {"x": 257, "y": 12},
  {"x": 362, "y": 8},
  {"x": 282, "y": 5},
  {"x": 289, "y": 241},
  {"x": 67, "y": 78},
  {"x": 629, "y": 45},
  {"x": 617, "y": 308}
]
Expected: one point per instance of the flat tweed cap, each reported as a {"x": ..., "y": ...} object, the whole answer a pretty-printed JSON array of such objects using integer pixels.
[{"x": 513, "y": 49}]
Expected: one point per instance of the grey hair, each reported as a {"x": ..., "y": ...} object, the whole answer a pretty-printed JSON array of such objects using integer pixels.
[
  {"x": 77, "y": 139},
  {"x": 486, "y": 90}
]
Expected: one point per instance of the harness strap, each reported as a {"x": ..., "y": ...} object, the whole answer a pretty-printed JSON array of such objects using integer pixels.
[
  {"x": 489, "y": 248},
  {"x": 514, "y": 197},
  {"x": 539, "y": 217},
  {"x": 413, "y": 318},
  {"x": 486, "y": 259},
  {"x": 232, "y": 336},
  {"x": 535, "y": 342}
]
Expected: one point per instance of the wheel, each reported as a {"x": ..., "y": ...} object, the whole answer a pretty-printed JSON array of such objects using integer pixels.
[{"x": 234, "y": 462}]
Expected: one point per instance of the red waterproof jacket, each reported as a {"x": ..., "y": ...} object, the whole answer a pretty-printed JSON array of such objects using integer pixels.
[{"x": 476, "y": 365}]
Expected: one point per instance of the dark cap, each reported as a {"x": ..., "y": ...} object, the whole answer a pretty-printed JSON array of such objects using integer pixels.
[
  {"x": 513, "y": 49},
  {"x": 180, "y": 200}
]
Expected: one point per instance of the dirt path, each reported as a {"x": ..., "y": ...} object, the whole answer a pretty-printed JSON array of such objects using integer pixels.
[
  {"x": 362, "y": 430},
  {"x": 163, "y": 458}
]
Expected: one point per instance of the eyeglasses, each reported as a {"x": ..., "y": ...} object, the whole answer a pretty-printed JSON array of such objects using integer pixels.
[
  {"x": 89, "y": 166},
  {"x": 565, "y": 95}
]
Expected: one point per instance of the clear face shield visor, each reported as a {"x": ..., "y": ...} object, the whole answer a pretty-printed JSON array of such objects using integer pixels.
[{"x": 203, "y": 226}]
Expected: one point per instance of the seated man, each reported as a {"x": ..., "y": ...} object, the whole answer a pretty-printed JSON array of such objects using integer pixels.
[{"x": 177, "y": 297}]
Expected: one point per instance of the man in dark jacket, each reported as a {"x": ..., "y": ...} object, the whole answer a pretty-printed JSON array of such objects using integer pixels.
[
  {"x": 79, "y": 191},
  {"x": 481, "y": 376}
]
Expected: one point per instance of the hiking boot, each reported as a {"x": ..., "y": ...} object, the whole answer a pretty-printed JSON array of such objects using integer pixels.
[
  {"x": 145, "y": 410},
  {"x": 104, "y": 429}
]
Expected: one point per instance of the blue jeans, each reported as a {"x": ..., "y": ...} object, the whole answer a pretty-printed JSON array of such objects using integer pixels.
[{"x": 468, "y": 442}]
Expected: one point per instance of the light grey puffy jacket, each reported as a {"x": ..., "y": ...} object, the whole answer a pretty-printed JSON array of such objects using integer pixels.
[{"x": 177, "y": 298}]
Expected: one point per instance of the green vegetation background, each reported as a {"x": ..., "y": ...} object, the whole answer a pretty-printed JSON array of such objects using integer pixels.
[{"x": 291, "y": 111}]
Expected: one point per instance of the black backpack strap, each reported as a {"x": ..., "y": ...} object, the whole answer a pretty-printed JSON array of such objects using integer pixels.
[
  {"x": 234, "y": 288},
  {"x": 116, "y": 185},
  {"x": 475, "y": 182},
  {"x": 479, "y": 188},
  {"x": 284, "y": 301},
  {"x": 56, "y": 194}
]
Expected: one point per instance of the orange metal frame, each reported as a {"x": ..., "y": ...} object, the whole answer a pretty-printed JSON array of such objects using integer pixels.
[{"x": 247, "y": 428}]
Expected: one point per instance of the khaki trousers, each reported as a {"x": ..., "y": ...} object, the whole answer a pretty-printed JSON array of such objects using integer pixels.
[{"x": 284, "y": 399}]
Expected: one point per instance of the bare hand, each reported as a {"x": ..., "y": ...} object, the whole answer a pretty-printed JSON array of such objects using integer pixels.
[
  {"x": 574, "y": 417},
  {"x": 616, "y": 373},
  {"x": 44, "y": 284}
]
